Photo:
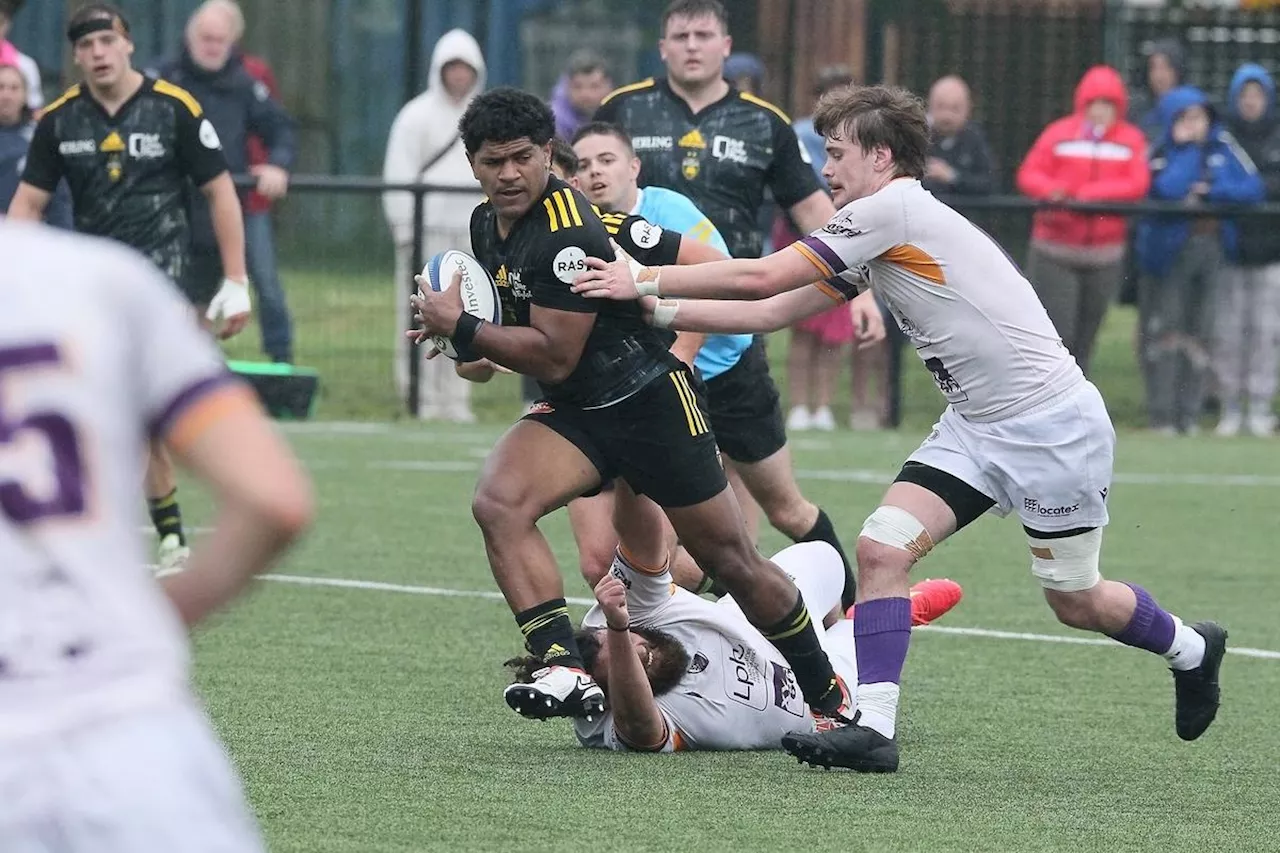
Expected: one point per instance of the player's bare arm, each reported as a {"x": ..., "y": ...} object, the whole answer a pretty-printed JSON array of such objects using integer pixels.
[
  {"x": 812, "y": 212},
  {"x": 757, "y": 278},
  {"x": 29, "y": 203},
  {"x": 636, "y": 716},
  {"x": 231, "y": 304},
  {"x": 548, "y": 349},
  {"x": 264, "y": 499}
]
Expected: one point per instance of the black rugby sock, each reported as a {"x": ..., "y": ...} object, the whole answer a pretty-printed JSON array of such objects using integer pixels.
[
  {"x": 795, "y": 637},
  {"x": 824, "y": 531},
  {"x": 548, "y": 634},
  {"x": 711, "y": 585},
  {"x": 167, "y": 516}
]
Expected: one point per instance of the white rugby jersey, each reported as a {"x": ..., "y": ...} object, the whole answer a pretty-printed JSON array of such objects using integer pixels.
[
  {"x": 972, "y": 316},
  {"x": 738, "y": 692},
  {"x": 96, "y": 350}
]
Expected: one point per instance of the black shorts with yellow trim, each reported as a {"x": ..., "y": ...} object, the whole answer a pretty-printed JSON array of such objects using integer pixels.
[
  {"x": 659, "y": 440},
  {"x": 746, "y": 409}
]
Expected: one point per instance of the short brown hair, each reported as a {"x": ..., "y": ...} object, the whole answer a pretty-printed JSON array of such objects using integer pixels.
[
  {"x": 874, "y": 116},
  {"x": 695, "y": 9}
]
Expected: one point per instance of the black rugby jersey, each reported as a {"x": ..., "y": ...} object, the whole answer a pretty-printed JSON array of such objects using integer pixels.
[
  {"x": 722, "y": 158},
  {"x": 536, "y": 264},
  {"x": 129, "y": 173}
]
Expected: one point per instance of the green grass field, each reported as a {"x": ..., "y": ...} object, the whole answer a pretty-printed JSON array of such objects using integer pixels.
[
  {"x": 368, "y": 719},
  {"x": 345, "y": 323}
]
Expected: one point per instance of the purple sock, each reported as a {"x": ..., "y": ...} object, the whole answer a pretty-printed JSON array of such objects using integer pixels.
[
  {"x": 882, "y": 631},
  {"x": 1150, "y": 628}
]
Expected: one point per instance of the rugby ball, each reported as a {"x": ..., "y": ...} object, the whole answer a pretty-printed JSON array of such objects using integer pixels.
[{"x": 479, "y": 292}]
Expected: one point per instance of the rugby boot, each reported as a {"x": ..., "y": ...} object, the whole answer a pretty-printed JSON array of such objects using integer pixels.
[
  {"x": 853, "y": 747},
  {"x": 557, "y": 691},
  {"x": 1196, "y": 691}
]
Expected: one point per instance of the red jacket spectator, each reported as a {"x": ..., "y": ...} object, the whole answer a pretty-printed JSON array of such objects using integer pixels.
[
  {"x": 1074, "y": 158},
  {"x": 259, "y": 70}
]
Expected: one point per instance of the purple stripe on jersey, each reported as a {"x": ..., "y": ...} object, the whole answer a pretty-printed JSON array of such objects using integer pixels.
[
  {"x": 825, "y": 252},
  {"x": 161, "y": 424}
]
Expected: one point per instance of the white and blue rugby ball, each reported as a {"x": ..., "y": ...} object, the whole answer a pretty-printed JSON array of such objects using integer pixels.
[{"x": 479, "y": 291}]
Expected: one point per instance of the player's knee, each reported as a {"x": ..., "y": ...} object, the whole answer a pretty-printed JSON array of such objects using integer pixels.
[
  {"x": 594, "y": 561},
  {"x": 497, "y": 505},
  {"x": 727, "y": 556},
  {"x": 891, "y": 540},
  {"x": 788, "y": 511},
  {"x": 1067, "y": 568}
]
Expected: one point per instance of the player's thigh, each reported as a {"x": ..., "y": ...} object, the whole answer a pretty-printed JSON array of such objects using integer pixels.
[
  {"x": 591, "y": 520},
  {"x": 950, "y": 464},
  {"x": 746, "y": 503},
  {"x": 659, "y": 441},
  {"x": 1056, "y": 464},
  {"x": 540, "y": 464},
  {"x": 772, "y": 482},
  {"x": 645, "y": 537},
  {"x": 154, "y": 783},
  {"x": 745, "y": 411}
]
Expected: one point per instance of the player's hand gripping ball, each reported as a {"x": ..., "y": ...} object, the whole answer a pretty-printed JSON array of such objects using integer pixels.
[{"x": 437, "y": 313}]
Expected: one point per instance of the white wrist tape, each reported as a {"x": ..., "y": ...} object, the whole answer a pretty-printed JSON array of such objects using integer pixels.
[
  {"x": 664, "y": 313},
  {"x": 232, "y": 299},
  {"x": 647, "y": 281}
]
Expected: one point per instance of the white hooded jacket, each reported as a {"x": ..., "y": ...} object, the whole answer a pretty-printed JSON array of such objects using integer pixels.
[{"x": 424, "y": 128}]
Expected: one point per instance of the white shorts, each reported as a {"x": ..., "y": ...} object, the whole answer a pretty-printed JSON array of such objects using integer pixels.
[
  {"x": 156, "y": 782},
  {"x": 818, "y": 573},
  {"x": 1051, "y": 464}
]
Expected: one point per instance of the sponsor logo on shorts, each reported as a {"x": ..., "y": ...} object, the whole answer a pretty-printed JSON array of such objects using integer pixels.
[
  {"x": 618, "y": 573},
  {"x": 542, "y": 407},
  {"x": 1034, "y": 506}
]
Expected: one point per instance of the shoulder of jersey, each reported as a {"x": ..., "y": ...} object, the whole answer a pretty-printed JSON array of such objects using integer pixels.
[
  {"x": 643, "y": 85},
  {"x": 67, "y": 96},
  {"x": 612, "y": 221},
  {"x": 179, "y": 94},
  {"x": 563, "y": 210},
  {"x": 764, "y": 105}
]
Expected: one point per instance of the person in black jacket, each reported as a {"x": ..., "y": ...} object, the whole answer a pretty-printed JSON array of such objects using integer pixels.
[
  {"x": 959, "y": 157},
  {"x": 211, "y": 68},
  {"x": 1247, "y": 348}
]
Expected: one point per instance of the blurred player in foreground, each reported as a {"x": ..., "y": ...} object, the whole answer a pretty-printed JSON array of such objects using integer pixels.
[
  {"x": 1024, "y": 430},
  {"x": 685, "y": 673},
  {"x": 130, "y": 147},
  {"x": 103, "y": 745}
]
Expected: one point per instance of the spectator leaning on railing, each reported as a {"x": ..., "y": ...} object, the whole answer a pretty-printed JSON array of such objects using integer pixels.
[
  {"x": 1196, "y": 161},
  {"x": 16, "y": 129},
  {"x": 1076, "y": 260},
  {"x": 1247, "y": 347}
]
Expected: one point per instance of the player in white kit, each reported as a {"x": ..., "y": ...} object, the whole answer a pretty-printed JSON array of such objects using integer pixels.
[
  {"x": 685, "y": 673},
  {"x": 1024, "y": 431},
  {"x": 103, "y": 745}
]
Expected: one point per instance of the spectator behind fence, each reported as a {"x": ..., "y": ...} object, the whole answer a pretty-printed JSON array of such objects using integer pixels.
[
  {"x": 1076, "y": 260},
  {"x": 1165, "y": 69},
  {"x": 16, "y": 129},
  {"x": 425, "y": 146},
  {"x": 1195, "y": 161},
  {"x": 212, "y": 69},
  {"x": 1247, "y": 346},
  {"x": 10, "y": 55},
  {"x": 579, "y": 91},
  {"x": 959, "y": 157}
]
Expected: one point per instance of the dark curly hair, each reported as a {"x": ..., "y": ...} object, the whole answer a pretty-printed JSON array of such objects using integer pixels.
[
  {"x": 563, "y": 156},
  {"x": 588, "y": 640},
  {"x": 503, "y": 115}
]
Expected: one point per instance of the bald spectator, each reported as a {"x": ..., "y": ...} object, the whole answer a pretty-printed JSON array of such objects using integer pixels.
[
  {"x": 959, "y": 157},
  {"x": 212, "y": 68}
]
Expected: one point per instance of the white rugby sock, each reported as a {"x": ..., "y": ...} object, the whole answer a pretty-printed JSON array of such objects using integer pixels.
[
  {"x": 877, "y": 706},
  {"x": 1187, "y": 651}
]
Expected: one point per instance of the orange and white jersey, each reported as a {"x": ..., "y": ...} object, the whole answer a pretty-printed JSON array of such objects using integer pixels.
[
  {"x": 737, "y": 691},
  {"x": 972, "y": 316},
  {"x": 97, "y": 352}
]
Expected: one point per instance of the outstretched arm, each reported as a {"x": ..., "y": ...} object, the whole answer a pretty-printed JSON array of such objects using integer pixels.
[
  {"x": 757, "y": 278},
  {"x": 738, "y": 317}
]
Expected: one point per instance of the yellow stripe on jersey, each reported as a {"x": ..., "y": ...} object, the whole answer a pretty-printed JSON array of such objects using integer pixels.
[
  {"x": 564, "y": 210},
  {"x": 573, "y": 206},
  {"x": 632, "y": 87},
  {"x": 164, "y": 87},
  {"x": 551, "y": 215},
  {"x": 814, "y": 258},
  {"x": 761, "y": 102},
  {"x": 830, "y": 291},
  {"x": 70, "y": 94},
  {"x": 613, "y": 222}
]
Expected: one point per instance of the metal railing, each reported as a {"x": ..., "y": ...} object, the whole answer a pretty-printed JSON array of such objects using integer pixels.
[{"x": 1011, "y": 216}]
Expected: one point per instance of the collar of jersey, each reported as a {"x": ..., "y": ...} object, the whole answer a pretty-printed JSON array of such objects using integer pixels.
[{"x": 665, "y": 86}]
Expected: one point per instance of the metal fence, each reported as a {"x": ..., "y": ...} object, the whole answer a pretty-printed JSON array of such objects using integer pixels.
[{"x": 348, "y": 307}]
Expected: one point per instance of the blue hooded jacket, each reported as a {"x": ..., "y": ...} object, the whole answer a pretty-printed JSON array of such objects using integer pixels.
[
  {"x": 1259, "y": 243},
  {"x": 1219, "y": 162}
]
